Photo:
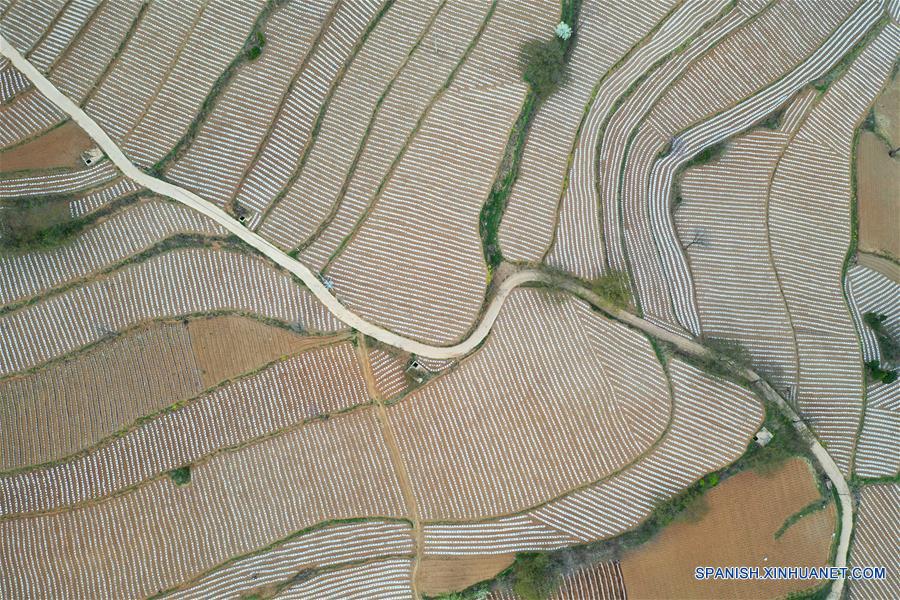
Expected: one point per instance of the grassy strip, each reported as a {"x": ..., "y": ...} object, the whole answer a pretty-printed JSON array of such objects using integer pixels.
[
  {"x": 138, "y": 19},
  {"x": 492, "y": 211},
  {"x": 416, "y": 128},
  {"x": 615, "y": 108},
  {"x": 820, "y": 592},
  {"x": 704, "y": 157},
  {"x": 823, "y": 83},
  {"x": 812, "y": 507},
  {"x": 294, "y": 327},
  {"x": 202, "y": 459},
  {"x": 857, "y": 482},
  {"x": 361, "y": 147},
  {"x": 586, "y": 112},
  {"x": 873, "y": 371},
  {"x": 175, "y": 242},
  {"x": 613, "y": 288},
  {"x": 252, "y": 49},
  {"x": 329, "y": 340},
  {"x": 20, "y": 236}
]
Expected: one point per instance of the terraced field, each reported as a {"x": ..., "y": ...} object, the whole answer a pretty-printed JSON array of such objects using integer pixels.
[
  {"x": 348, "y": 305},
  {"x": 596, "y": 377},
  {"x": 878, "y": 519}
]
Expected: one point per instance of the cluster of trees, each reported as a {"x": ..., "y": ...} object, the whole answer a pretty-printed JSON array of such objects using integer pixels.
[
  {"x": 889, "y": 347},
  {"x": 544, "y": 61}
]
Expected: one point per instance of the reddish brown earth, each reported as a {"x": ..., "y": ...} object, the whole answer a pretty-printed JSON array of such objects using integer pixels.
[{"x": 61, "y": 147}]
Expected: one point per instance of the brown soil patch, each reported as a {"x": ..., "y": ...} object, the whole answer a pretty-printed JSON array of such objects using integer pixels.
[
  {"x": 231, "y": 345},
  {"x": 878, "y": 179},
  {"x": 58, "y": 148},
  {"x": 440, "y": 575},
  {"x": 739, "y": 529}
]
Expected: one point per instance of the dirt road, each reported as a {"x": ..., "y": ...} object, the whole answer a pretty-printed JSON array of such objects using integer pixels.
[{"x": 388, "y": 337}]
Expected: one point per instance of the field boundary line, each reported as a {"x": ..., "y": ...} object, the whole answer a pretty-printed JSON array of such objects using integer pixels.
[
  {"x": 317, "y": 288},
  {"x": 396, "y": 458},
  {"x": 315, "y": 343},
  {"x": 126, "y": 136}
]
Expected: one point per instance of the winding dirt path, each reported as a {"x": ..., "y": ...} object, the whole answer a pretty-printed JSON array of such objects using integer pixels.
[{"x": 684, "y": 344}]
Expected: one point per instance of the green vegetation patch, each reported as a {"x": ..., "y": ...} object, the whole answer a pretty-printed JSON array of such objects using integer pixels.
[
  {"x": 492, "y": 211},
  {"x": 707, "y": 155},
  {"x": 613, "y": 287},
  {"x": 252, "y": 50},
  {"x": 34, "y": 225},
  {"x": 535, "y": 576},
  {"x": 820, "y": 592},
  {"x": 181, "y": 475},
  {"x": 810, "y": 508},
  {"x": 773, "y": 121},
  {"x": 255, "y": 48},
  {"x": 732, "y": 350},
  {"x": 544, "y": 66},
  {"x": 823, "y": 83},
  {"x": 41, "y": 223},
  {"x": 878, "y": 373},
  {"x": 889, "y": 346}
]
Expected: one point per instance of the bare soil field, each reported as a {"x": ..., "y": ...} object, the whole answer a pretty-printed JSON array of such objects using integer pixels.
[
  {"x": 60, "y": 147},
  {"x": 230, "y": 345},
  {"x": 440, "y": 575},
  {"x": 887, "y": 111},
  {"x": 744, "y": 513},
  {"x": 878, "y": 179}
]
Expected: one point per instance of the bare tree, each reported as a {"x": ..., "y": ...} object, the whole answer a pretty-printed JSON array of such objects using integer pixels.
[{"x": 698, "y": 239}]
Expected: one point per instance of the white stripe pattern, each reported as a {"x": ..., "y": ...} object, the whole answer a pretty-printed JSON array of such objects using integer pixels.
[{"x": 173, "y": 284}]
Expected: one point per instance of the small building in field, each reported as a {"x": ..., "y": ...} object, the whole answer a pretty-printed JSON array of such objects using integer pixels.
[
  {"x": 91, "y": 156},
  {"x": 763, "y": 437}
]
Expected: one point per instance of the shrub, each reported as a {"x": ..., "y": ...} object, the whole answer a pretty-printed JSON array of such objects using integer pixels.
[
  {"x": 733, "y": 350},
  {"x": 694, "y": 510},
  {"x": 181, "y": 475},
  {"x": 890, "y": 347},
  {"x": 534, "y": 576},
  {"x": 259, "y": 42},
  {"x": 544, "y": 66},
  {"x": 563, "y": 31},
  {"x": 878, "y": 373},
  {"x": 774, "y": 120},
  {"x": 613, "y": 287},
  {"x": 707, "y": 155}
]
